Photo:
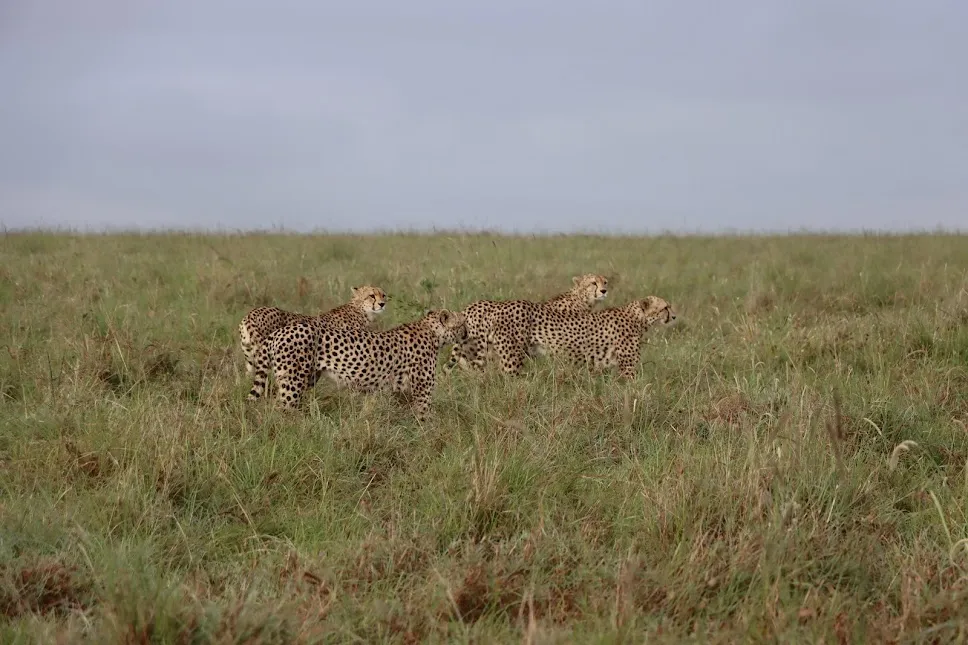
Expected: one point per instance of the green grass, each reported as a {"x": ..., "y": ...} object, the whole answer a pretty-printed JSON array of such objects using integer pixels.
[{"x": 717, "y": 498}]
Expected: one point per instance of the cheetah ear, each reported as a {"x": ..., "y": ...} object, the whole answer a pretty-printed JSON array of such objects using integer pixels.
[
  {"x": 444, "y": 316},
  {"x": 356, "y": 291},
  {"x": 576, "y": 280}
]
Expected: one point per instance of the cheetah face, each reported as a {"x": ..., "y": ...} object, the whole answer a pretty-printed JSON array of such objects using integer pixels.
[
  {"x": 373, "y": 300},
  {"x": 592, "y": 286},
  {"x": 654, "y": 310},
  {"x": 450, "y": 326}
]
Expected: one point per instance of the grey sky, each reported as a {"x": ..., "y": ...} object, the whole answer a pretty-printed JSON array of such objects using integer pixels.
[{"x": 517, "y": 115}]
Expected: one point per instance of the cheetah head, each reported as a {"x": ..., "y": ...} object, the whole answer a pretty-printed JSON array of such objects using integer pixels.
[
  {"x": 590, "y": 286},
  {"x": 450, "y": 326},
  {"x": 372, "y": 300},
  {"x": 652, "y": 310}
]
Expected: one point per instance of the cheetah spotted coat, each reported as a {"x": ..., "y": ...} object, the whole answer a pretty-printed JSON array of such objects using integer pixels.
[
  {"x": 402, "y": 360},
  {"x": 516, "y": 318},
  {"x": 367, "y": 302},
  {"x": 601, "y": 339}
]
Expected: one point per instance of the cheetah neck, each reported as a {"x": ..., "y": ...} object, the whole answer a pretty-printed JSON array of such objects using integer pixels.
[
  {"x": 652, "y": 321},
  {"x": 569, "y": 302},
  {"x": 419, "y": 327}
]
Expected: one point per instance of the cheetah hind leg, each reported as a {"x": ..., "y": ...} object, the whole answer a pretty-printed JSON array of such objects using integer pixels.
[
  {"x": 261, "y": 367},
  {"x": 260, "y": 373},
  {"x": 475, "y": 350},
  {"x": 290, "y": 391},
  {"x": 456, "y": 358},
  {"x": 249, "y": 352},
  {"x": 270, "y": 389},
  {"x": 249, "y": 349},
  {"x": 293, "y": 380},
  {"x": 511, "y": 347}
]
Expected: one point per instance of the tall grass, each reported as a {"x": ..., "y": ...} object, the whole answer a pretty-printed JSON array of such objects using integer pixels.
[{"x": 789, "y": 465}]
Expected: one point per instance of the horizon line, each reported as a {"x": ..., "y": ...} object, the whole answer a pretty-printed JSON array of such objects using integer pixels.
[{"x": 469, "y": 232}]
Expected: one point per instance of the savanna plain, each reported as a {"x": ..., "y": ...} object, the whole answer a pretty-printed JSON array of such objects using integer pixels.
[{"x": 788, "y": 465}]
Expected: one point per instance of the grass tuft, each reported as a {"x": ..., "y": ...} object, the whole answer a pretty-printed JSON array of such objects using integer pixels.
[{"x": 789, "y": 465}]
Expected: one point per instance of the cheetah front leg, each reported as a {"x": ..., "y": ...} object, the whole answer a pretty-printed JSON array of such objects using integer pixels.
[
  {"x": 476, "y": 347},
  {"x": 420, "y": 398},
  {"x": 468, "y": 354},
  {"x": 628, "y": 364},
  {"x": 456, "y": 358}
]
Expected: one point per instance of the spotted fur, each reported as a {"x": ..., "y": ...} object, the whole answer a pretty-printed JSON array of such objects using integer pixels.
[
  {"x": 600, "y": 339},
  {"x": 517, "y": 318},
  {"x": 402, "y": 360},
  {"x": 367, "y": 302}
]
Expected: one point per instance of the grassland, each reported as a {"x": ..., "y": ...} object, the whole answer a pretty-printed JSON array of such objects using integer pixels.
[{"x": 723, "y": 496}]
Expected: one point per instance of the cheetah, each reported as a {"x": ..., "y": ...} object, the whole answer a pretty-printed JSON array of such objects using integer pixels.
[
  {"x": 367, "y": 302},
  {"x": 402, "y": 359},
  {"x": 601, "y": 339},
  {"x": 485, "y": 315}
]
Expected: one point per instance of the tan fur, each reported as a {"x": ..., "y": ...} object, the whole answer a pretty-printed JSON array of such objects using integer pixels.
[
  {"x": 367, "y": 302},
  {"x": 402, "y": 360},
  {"x": 518, "y": 317},
  {"x": 601, "y": 339}
]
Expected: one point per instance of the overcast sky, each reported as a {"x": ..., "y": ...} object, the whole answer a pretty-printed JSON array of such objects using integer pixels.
[{"x": 526, "y": 115}]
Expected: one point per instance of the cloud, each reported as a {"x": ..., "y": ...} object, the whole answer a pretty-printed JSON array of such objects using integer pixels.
[{"x": 547, "y": 116}]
